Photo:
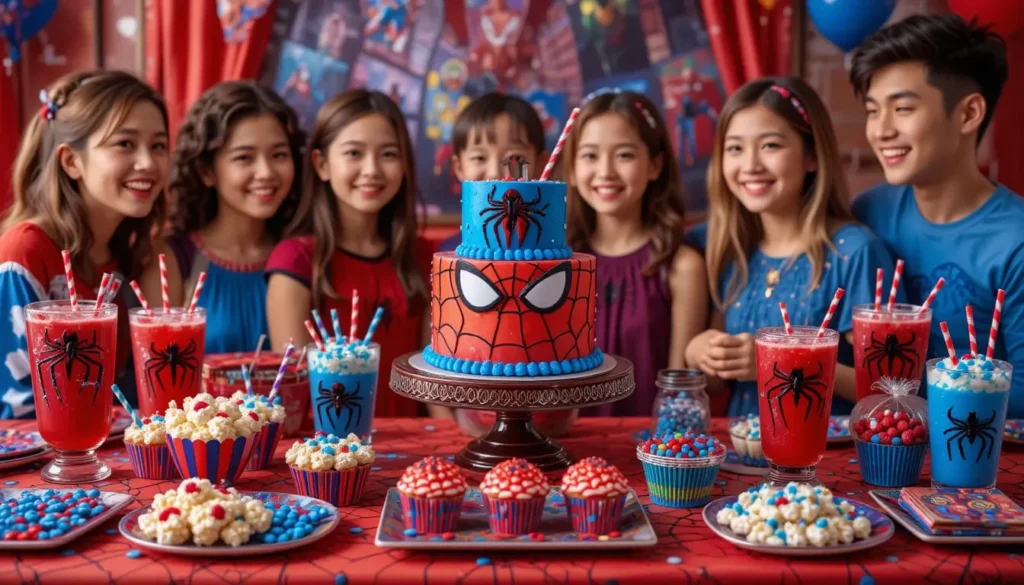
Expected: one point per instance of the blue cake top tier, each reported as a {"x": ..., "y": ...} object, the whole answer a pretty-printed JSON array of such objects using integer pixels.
[{"x": 513, "y": 220}]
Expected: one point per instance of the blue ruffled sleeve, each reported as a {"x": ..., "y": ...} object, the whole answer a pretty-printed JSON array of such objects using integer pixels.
[{"x": 17, "y": 289}]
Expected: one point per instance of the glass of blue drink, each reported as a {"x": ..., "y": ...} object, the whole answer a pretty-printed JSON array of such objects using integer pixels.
[
  {"x": 343, "y": 388},
  {"x": 966, "y": 413}
]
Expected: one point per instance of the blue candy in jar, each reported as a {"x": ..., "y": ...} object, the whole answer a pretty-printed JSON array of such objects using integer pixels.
[{"x": 682, "y": 403}]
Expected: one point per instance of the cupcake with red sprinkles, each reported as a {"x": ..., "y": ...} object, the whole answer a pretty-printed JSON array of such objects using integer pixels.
[
  {"x": 680, "y": 468},
  {"x": 431, "y": 491},
  {"x": 515, "y": 491},
  {"x": 595, "y": 494}
]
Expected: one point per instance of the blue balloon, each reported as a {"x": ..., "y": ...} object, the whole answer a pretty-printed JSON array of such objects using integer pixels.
[
  {"x": 847, "y": 23},
  {"x": 21, "y": 22}
]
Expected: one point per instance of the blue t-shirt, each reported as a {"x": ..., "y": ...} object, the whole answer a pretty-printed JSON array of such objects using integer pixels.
[
  {"x": 451, "y": 243},
  {"x": 852, "y": 265},
  {"x": 977, "y": 255}
]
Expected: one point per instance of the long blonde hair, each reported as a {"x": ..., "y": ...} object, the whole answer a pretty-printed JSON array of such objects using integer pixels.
[
  {"x": 733, "y": 232},
  {"x": 88, "y": 102}
]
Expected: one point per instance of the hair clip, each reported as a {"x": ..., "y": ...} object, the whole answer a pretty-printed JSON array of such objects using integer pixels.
[
  {"x": 49, "y": 109},
  {"x": 600, "y": 91},
  {"x": 647, "y": 115},
  {"x": 792, "y": 100}
]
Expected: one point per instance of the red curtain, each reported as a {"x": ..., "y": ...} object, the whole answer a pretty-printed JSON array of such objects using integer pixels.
[
  {"x": 186, "y": 49},
  {"x": 10, "y": 133},
  {"x": 750, "y": 38}
]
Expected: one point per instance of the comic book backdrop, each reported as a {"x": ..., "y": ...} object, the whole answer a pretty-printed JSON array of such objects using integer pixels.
[{"x": 434, "y": 56}]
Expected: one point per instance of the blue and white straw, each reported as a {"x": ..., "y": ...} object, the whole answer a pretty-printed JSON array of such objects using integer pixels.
[
  {"x": 336, "y": 322},
  {"x": 248, "y": 380},
  {"x": 124, "y": 402},
  {"x": 373, "y": 325},
  {"x": 324, "y": 335},
  {"x": 280, "y": 371}
]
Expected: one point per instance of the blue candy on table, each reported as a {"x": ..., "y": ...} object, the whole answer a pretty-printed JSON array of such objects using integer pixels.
[
  {"x": 43, "y": 517},
  {"x": 291, "y": 522}
]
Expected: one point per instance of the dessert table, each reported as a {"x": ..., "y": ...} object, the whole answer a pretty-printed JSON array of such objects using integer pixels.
[{"x": 687, "y": 551}]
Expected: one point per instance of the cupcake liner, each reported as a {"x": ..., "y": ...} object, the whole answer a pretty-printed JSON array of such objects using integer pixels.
[
  {"x": 514, "y": 516},
  {"x": 264, "y": 444},
  {"x": 679, "y": 483},
  {"x": 750, "y": 451},
  {"x": 890, "y": 465},
  {"x": 431, "y": 515},
  {"x": 214, "y": 460},
  {"x": 151, "y": 461},
  {"x": 341, "y": 488},
  {"x": 596, "y": 515}
]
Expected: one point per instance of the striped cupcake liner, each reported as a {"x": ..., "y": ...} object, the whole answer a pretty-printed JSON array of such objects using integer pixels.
[
  {"x": 217, "y": 461},
  {"x": 679, "y": 487},
  {"x": 431, "y": 515},
  {"x": 514, "y": 516},
  {"x": 890, "y": 465},
  {"x": 265, "y": 443},
  {"x": 151, "y": 461},
  {"x": 596, "y": 515},
  {"x": 340, "y": 488}
]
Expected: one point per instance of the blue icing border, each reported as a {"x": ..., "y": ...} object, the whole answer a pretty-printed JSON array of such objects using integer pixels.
[
  {"x": 477, "y": 253},
  {"x": 509, "y": 370},
  {"x": 478, "y": 235}
]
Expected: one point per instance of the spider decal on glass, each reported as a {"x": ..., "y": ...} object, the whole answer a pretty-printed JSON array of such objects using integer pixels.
[
  {"x": 330, "y": 402},
  {"x": 971, "y": 429},
  {"x": 513, "y": 311},
  {"x": 180, "y": 363},
  {"x": 899, "y": 358},
  {"x": 65, "y": 352},
  {"x": 798, "y": 385}
]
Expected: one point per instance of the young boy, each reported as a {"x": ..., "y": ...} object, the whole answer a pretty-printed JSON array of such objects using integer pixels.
[
  {"x": 930, "y": 85},
  {"x": 491, "y": 128}
]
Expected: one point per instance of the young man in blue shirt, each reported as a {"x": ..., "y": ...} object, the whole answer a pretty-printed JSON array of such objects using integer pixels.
[{"x": 930, "y": 85}]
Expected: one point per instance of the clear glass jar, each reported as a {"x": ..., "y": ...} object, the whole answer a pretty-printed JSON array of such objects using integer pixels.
[{"x": 682, "y": 403}]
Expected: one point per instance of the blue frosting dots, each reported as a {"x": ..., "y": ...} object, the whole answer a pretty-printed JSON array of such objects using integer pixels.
[
  {"x": 520, "y": 369},
  {"x": 481, "y": 253}
]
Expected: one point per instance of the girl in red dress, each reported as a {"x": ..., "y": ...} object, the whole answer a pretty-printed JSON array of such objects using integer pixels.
[{"x": 355, "y": 229}]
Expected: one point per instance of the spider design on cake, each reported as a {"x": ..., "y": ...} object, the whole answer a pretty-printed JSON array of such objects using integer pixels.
[
  {"x": 970, "y": 429},
  {"x": 66, "y": 351},
  {"x": 513, "y": 312},
  {"x": 800, "y": 386},
  {"x": 330, "y": 403},
  {"x": 890, "y": 352},
  {"x": 511, "y": 213}
]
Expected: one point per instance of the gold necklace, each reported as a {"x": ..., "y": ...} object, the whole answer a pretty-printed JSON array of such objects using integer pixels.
[{"x": 771, "y": 280}]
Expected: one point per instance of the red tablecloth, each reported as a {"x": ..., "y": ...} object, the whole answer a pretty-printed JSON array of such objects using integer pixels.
[{"x": 100, "y": 557}]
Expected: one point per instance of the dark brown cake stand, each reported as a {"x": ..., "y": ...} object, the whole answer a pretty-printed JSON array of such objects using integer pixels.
[{"x": 514, "y": 400}]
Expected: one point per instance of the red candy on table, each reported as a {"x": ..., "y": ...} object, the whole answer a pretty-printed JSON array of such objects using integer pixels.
[{"x": 907, "y": 429}]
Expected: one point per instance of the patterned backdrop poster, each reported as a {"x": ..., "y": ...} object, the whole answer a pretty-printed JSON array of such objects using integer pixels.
[{"x": 434, "y": 56}]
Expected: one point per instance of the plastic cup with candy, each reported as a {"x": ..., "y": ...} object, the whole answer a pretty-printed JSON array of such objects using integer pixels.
[
  {"x": 431, "y": 492},
  {"x": 680, "y": 468},
  {"x": 745, "y": 434},
  {"x": 890, "y": 431},
  {"x": 515, "y": 491},
  {"x": 595, "y": 493},
  {"x": 147, "y": 449},
  {"x": 331, "y": 468},
  {"x": 210, "y": 438}
]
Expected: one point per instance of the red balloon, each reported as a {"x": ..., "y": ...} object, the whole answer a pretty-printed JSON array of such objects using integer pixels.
[{"x": 1005, "y": 16}]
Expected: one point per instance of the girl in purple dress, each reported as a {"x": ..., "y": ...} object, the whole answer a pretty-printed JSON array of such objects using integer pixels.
[{"x": 625, "y": 206}]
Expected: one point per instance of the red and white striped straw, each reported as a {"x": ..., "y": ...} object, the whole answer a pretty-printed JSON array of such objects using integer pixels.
[
  {"x": 142, "y": 297},
  {"x": 970, "y": 331},
  {"x": 354, "y": 322},
  {"x": 315, "y": 335},
  {"x": 949, "y": 343},
  {"x": 115, "y": 287},
  {"x": 785, "y": 318},
  {"x": 101, "y": 293},
  {"x": 165, "y": 290},
  {"x": 70, "y": 275},
  {"x": 997, "y": 314},
  {"x": 931, "y": 296},
  {"x": 895, "y": 283},
  {"x": 831, "y": 311},
  {"x": 557, "y": 150},
  {"x": 195, "y": 294},
  {"x": 879, "y": 277}
]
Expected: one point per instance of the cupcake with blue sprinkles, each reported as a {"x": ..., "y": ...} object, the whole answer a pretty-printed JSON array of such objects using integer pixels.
[
  {"x": 331, "y": 468},
  {"x": 680, "y": 468},
  {"x": 746, "y": 440}
]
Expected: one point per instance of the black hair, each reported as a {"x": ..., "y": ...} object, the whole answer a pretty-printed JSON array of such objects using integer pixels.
[
  {"x": 480, "y": 114},
  {"x": 961, "y": 57}
]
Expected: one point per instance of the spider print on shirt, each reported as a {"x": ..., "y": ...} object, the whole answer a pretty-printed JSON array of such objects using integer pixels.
[{"x": 496, "y": 328}]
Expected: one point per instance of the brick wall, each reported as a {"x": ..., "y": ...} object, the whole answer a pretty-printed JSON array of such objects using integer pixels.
[{"x": 825, "y": 70}]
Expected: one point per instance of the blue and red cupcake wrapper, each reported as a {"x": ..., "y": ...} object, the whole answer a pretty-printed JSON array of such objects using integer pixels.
[
  {"x": 151, "y": 461},
  {"x": 214, "y": 460},
  {"x": 596, "y": 515},
  {"x": 890, "y": 465},
  {"x": 340, "y": 488},
  {"x": 431, "y": 515},
  {"x": 514, "y": 516},
  {"x": 265, "y": 443}
]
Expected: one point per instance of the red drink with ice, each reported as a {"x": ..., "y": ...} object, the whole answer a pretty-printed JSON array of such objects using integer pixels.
[
  {"x": 795, "y": 375},
  {"x": 889, "y": 343},
  {"x": 72, "y": 353},
  {"x": 168, "y": 347}
]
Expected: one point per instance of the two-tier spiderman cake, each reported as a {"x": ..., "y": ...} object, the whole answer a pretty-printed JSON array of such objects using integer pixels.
[{"x": 513, "y": 299}]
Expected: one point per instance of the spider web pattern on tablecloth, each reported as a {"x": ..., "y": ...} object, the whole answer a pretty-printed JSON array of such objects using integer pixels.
[{"x": 100, "y": 557}]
